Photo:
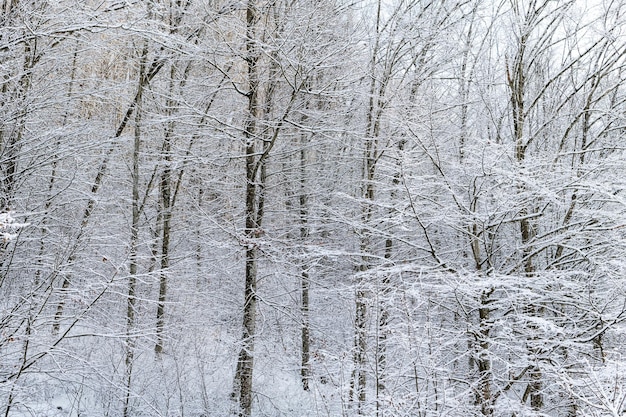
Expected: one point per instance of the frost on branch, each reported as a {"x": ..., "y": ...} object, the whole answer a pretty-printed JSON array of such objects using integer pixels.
[{"x": 9, "y": 226}]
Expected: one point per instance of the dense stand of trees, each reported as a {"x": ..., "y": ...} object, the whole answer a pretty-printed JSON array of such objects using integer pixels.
[{"x": 295, "y": 207}]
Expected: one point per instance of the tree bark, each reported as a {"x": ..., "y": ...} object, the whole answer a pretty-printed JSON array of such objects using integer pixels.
[
  {"x": 131, "y": 299},
  {"x": 245, "y": 362},
  {"x": 165, "y": 191},
  {"x": 305, "y": 367}
]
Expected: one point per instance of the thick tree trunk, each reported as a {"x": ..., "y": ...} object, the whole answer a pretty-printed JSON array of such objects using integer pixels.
[
  {"x": 165, "y": 191},
  {"x": 245, "y": 365},
  {"x": 245, "y": 362}
]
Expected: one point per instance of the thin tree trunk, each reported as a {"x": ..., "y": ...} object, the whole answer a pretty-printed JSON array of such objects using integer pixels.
[
  {"x": 358, "y": 380},
  {"x": 374, "y": 112},
  {"x": 305, "y": 368},
  {"x": 516, "y": 78},
  {"x": 131, "y": 299},
  {"x": 166, "y": 188},
  {"x": 383, "y": 303},
  {"x": 359, "y": 376}
]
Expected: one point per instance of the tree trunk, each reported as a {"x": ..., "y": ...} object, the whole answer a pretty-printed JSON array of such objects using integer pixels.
[
  {"x": 131, "y": 299},
  {"x": 245, "y": 362},
  {"x": 483, "y": 361},
  {"x": 516, "y": 78},
  {"x": 359, "y": 377},
  {"x": 305, "y": 369},
  {"x": 165, "y": 191}
]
